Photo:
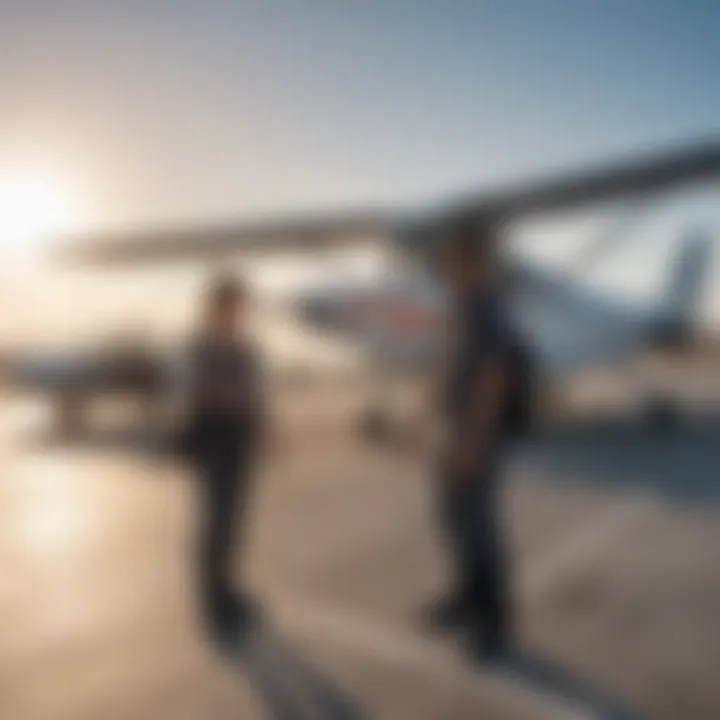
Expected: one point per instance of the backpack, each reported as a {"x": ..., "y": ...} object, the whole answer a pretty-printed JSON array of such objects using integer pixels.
[{"x": 519, "y": 413}]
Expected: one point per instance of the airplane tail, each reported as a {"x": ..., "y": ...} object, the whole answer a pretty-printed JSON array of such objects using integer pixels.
[{"x": 682, "y": 295}]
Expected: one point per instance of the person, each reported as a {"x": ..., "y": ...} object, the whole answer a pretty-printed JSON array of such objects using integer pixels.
[
  {"x": 471, "y": 399},
  {"x": 221, "y": 438}
]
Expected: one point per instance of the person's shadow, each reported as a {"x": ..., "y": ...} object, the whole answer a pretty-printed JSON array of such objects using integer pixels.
[
  {"x": 546, "y": 678},
  {"x": 288, "y": 686}
]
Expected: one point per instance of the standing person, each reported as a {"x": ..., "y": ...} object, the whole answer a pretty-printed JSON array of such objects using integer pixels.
[
  {"x": 221, "y": 439},
  {"x": 472, "y": 399}
]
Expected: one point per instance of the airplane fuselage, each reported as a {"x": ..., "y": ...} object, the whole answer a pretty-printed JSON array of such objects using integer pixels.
[{"x": 566, "y": 325}]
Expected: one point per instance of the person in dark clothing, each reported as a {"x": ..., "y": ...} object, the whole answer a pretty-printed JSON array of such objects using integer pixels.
[
  {"x": 221, "y": 438},
  {"x": 470, "y": 400}
]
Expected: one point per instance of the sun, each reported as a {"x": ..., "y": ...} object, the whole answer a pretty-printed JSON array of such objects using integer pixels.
[{"x": 35, "y": 206}]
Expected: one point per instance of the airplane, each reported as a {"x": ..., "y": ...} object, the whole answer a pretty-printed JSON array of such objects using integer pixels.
[
  {"x": 71, "y": 378},
  {"x": 566, "y": 325}
]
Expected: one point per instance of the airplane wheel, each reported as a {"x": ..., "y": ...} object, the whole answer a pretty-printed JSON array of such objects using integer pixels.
[
  {"x": 70, "y": 414},
  {"x": 375, "y": 425},
  {"x": 661, "y": 413}
]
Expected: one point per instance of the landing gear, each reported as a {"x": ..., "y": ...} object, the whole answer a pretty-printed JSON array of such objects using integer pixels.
[
  {"x": 71, "y": 408},
  {"x": 388, "y": 417},
  {"x": 661, "y": 412},
  {"x": 375, "y": 425}
]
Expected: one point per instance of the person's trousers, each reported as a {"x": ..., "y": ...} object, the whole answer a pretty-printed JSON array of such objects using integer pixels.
[
  {"x": 470, "y": 515},
  {"x": 223, "y": 480}
]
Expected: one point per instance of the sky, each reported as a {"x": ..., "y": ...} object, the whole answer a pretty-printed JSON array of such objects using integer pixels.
[
  {"x": 129, "y": 113},
  {"x": 151, "y": 112}
]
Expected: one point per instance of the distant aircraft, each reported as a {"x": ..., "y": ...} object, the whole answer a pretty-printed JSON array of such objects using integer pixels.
[
  {"x": 565, "y": 324},
  {"x": 73, "y": 379}
]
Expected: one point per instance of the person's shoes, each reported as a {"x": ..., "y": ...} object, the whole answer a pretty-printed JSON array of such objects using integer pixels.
[
  {"x": 226, "y": 626},
  {"x": 450, "y": 613},
  {"x": 230, "y": 618},
  {"x": 225, "y": 631},
  {"x": 488, "y": 647},
  {"x": 247, "y": 608},
  {"x": 248, "y": 614}
]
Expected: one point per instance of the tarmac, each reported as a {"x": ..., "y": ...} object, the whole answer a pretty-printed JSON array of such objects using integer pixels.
[{"x": 615, "y": 536}]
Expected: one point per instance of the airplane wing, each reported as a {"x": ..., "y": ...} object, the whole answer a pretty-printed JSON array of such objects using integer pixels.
[
  {"x": 634, "y": 178},
  {"x": 301, "y": 233},
  {"x": 618, "y": 180}
]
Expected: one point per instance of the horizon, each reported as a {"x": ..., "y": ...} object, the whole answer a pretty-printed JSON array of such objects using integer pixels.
[{"x": 141, "y": 114}]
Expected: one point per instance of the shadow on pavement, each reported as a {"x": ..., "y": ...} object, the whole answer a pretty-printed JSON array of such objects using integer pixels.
[
  {"x": 677, "y": 463},
  {"x": 544, "y": 677},
  {"x": 289, "y": 686}
]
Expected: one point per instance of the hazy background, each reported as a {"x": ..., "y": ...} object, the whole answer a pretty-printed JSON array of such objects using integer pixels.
[{"x": 142, "y": 113}]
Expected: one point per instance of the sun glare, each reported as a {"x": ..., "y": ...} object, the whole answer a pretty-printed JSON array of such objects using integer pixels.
[{"x": 34, "y": 207}]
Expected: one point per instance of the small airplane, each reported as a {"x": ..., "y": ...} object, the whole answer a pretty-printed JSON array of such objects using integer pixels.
[
  {"x": 398, "y": 318},
  {"x": 567, "y": 326},
  {"x": 125, "y": 367}
]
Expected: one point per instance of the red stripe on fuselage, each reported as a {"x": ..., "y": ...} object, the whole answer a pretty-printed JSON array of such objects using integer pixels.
[{"x": 393, "y": 316}]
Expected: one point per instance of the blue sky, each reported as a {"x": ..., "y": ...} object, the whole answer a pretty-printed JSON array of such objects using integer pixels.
[{"x": 163, "y": 111}]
